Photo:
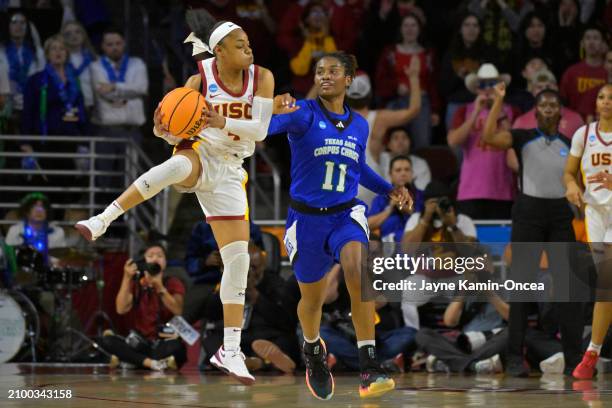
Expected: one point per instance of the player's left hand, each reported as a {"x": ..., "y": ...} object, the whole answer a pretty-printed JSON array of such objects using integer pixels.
[
  {"x": 212, "y": 118},
  {"x": 401, "y": 195},
  {"x": 603, "y": 178},
  {"x": 284, "y": 103}
]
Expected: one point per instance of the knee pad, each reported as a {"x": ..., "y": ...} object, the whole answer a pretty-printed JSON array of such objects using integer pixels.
[
  {"x": 236, "y": 264},
  {"x": 172, "y": 171}
]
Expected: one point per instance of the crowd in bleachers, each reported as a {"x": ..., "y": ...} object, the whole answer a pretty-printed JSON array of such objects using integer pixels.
[{"x": 427, "y": 71}]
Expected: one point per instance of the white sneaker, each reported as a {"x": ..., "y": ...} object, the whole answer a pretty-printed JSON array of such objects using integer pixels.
[
  {"x": 92, "y": 228},
  {"x": 554, "y": 364},
  {"x": 232, "y": 363},
  {"x": 491, "y": 365},
  {"x": 158, "y": 365}
]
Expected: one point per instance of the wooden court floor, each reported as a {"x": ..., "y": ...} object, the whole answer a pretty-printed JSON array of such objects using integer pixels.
[{"x": 98, "y": 387}]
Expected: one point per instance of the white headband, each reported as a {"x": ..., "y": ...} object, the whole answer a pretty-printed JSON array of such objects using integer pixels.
[{"x": 215, "y": 37}]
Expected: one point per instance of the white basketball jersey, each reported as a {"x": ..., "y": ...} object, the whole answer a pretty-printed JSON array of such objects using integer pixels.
[
  {"x": 228, "y": 104},
  {"x": 596, "y": 156}
]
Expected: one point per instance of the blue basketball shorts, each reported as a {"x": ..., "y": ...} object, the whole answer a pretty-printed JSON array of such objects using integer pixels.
[{"x": 314, "y": 242}]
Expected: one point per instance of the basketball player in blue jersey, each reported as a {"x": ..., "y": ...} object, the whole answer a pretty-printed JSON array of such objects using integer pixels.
[{"x": 326, "y": 224}]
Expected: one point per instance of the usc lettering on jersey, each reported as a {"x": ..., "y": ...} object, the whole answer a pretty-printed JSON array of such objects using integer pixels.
[
  {"x": 595, "y": 151},
  {"x": 229, "y": 104}
]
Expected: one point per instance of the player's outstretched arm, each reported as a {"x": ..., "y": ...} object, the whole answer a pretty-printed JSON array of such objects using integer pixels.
[{"x": 256, "y": 128}]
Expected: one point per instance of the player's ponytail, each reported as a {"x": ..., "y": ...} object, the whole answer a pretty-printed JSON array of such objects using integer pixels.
[{"x": 201, "y": 22}]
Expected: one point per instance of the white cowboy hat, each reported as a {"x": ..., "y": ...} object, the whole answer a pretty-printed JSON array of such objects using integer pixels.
[{"x": 485, "y": 72}]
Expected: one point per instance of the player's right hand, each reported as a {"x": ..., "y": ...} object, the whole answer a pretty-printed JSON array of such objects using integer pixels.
[
  {"x": 158, "y": 118},
  {"x": 574, "y": 195}
]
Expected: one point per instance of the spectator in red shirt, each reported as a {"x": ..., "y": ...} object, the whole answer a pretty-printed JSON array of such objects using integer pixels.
[
  {"x": 254, "y": 17},
  {"x": 580, "y": 80},
  {"x": 345, "y": 18},
  {"x": 219, "y": 9},
  {"x": 608, "y": 65},
  {"x": 151, "y": 300},
  {"x": 592, "y": 93},
  {"x": 393, "y": 84}
]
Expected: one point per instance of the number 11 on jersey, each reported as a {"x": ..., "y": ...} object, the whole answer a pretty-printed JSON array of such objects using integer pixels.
[{"x": 329, "y": 175}]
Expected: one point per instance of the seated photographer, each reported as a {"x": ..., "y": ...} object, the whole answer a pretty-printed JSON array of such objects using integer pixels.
[
  {"x": 270, "y": 321},
  {"x": 433, "y": 233},
  {"x": 393, "y": 337},
  {"x": 480, "y": 342},
  {"x": 384, "y": 213},
  {"x": 151, "y": 299},
  {"x": 438, "y": 221},
  {"x": 203, "y": 265}
]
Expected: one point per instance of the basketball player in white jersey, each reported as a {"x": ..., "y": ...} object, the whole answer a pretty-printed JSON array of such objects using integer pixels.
[
  {"x": 591, "y": 153},
  {"x": 359, "y": 96},
  {"x": 210, "y": 164}
]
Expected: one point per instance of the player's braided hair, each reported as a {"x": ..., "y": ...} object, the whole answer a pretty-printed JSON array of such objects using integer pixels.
[{"x": 348, "y": 61}]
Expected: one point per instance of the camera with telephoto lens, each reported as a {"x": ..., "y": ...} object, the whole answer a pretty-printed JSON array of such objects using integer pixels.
[{"x": 143, "y": 266}]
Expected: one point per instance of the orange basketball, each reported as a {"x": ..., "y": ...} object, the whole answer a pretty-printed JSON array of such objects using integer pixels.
[{"x": 182, "y": 110}]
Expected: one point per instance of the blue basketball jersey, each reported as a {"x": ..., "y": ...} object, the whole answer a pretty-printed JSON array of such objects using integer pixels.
[{"x": 327, "y": 154}]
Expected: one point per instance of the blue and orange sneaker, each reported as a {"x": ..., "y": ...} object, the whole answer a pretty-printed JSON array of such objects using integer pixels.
[
  {"x": 375, "y": 382},
  {"x": 319, "y": 379}
]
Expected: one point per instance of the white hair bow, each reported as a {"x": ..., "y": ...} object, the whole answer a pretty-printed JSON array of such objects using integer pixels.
[{"x": 198, "y": 45}]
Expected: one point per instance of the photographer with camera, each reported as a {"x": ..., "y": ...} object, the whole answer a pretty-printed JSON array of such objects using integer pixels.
[
  {"x": 151, "y": 299},
  {"x": 384, "y": 212},
  {"x": 429, "y": 233},
  {"x": 438, "y": 222}
]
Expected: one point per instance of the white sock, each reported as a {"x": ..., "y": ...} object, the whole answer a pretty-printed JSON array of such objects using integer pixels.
[
  {"x": 172, "y": 171},
  {"x": 594, "y": 347},
  {"x": 231, "y": 338},
  {"x": 112, "y": 212},
  {"x": 362, "y": 343},
  {"x": 312, "y": 341}
]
